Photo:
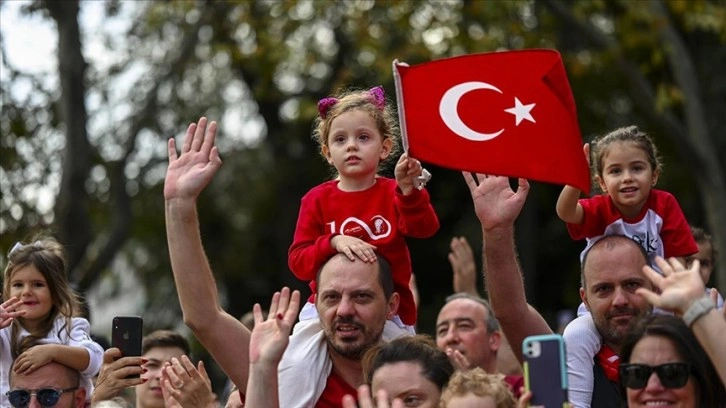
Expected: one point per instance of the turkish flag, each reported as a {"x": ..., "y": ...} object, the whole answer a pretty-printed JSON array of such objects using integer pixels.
[{"x": 503, "y": 113}]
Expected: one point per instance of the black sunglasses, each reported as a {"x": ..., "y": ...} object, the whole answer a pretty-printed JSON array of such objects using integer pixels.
[
  {"x": 47, "y": 397},
  {"x": 671, "y": 375}
]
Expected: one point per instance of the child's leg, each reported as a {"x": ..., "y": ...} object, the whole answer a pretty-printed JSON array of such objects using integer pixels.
[
  {"x": 583, "y": 342},
  {"x": 308, "y": 312},
  {"x": 401, "y": 325}
]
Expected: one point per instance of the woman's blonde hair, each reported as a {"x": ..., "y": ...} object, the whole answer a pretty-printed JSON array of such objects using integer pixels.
[
  {"x": 48, "y": 257},
  {"x": 479, "y": 383}
]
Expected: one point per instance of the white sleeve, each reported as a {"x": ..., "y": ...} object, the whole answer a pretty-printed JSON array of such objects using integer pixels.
[
  {"x": 582, "y": 342},
  {"x": 80, "y": 336}
]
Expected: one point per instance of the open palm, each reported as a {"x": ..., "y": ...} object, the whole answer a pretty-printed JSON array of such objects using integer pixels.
[
  {"x": 495, "y": 203},
  {"x": 191, "y": 171}
]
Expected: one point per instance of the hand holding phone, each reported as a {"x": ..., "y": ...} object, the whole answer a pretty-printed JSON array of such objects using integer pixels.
[
  {"x": 126, "y": 336},
  {"x": 545, "y": 370}
]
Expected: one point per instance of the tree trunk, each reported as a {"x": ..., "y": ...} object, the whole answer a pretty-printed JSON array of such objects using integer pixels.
[{"x": 72, "y": 203}]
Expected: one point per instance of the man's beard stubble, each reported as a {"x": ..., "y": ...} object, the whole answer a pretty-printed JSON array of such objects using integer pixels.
[{"x": 352, "y": 350}]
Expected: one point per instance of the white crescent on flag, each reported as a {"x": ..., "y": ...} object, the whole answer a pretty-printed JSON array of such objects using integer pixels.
[{"x": 450, "y": 116}]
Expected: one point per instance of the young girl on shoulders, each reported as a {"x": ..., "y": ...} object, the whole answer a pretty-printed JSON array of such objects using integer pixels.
[
  {"x": 360, "y": 211},
  {"x": 39, "y": 324},
  {"x": 626, "y": 167}
]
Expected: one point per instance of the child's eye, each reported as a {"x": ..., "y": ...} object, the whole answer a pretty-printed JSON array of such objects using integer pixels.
[
  {"x": 364, "y": 137},
  {"x": 17, "y": 285},
  {"x": 614, "y": 171}
]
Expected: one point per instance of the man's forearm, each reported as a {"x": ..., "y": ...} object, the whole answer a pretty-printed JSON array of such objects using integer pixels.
[
  {"x": 506, "y": 289},
  {"x": 195, "y": 284},
  {"x": 222, "y": 334}
]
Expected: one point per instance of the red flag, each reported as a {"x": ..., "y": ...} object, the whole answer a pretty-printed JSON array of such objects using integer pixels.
[{"x": 504, "y": 113}]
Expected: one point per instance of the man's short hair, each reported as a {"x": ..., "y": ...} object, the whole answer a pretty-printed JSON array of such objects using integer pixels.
[
  {"x": 491, "y": 321},
  {"x": 611, "y": 241},
  {"x": 164, "y": 338},
  {"x": 385, "y": 276}
]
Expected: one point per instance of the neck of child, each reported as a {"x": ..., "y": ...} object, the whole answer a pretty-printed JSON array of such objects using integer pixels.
[
  {"x": 629, "y": 211},
  {"x": 349, "y": 369},
  {"x": 349, "y": 184},
  {"x": 29, "y": 325}
]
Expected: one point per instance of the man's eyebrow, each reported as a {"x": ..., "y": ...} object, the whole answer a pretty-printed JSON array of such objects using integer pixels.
[{"x": 456, "y": 320}]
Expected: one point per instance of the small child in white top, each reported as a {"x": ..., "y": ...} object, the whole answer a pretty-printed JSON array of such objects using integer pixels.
[{"x": 37, "y": 323}]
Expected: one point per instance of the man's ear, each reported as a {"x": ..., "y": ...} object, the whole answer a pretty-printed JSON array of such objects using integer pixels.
[
  {"x": 79, "y": 398},
  {"x": 583, "y": 296},
  {"x": 387, "y": 147},
  {"x": 393, "y": 303},
  {"x": 495, "y": 340}
]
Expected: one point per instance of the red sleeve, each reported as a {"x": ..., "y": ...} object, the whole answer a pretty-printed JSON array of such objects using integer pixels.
[
  {"x": 416, "y": 215},
  {"x": 675, "y": 233},
  {"x": 592, "y": 225},
  {"x": 311, "y": 245}
]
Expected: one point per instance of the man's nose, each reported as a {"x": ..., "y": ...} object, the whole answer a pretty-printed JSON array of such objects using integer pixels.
[
  {"x": 620, "y": 298},
  {"x": 34, "y": 402},
  {"x": 451, "y": 336},
  {"x": 346, "y": 307}
]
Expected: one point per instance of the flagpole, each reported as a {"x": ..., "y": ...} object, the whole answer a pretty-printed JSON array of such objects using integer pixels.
[{"x": 399, "y": 102}]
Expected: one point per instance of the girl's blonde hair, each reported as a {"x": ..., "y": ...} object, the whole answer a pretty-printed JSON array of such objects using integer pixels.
[
  {"x": 48, "y": 257},
  {"x": 371, "y": 101},
  {"x": 479, "y": 383}
]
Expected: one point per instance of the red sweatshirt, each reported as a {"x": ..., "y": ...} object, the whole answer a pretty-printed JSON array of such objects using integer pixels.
[{"x": 380, "y": 215}]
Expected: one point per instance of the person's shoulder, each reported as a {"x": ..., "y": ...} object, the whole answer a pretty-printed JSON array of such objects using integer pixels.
[
  {"x": 662, "y": 195},
  {"x": 321, "y": 189}
]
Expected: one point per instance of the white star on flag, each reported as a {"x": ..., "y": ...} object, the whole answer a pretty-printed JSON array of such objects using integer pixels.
[{"x": 521, "y": 112}]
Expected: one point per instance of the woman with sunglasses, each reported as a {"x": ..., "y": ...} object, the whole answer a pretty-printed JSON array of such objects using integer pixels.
[
  {"x": 684, "y": 375},
  {"x": 684, "y": 362}
]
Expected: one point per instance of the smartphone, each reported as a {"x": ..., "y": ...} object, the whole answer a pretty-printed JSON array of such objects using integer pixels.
[
  {"x": 126, "y": 336},
  {"x": 545, "y": 370}
]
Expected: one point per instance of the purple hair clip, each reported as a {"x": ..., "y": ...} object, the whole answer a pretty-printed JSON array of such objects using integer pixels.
[
  {"x": 325, "y": 104},
  {"x": 378, "y": 96}
]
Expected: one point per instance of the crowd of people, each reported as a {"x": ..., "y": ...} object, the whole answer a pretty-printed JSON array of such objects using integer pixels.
[{"x": 649, "y": 331}]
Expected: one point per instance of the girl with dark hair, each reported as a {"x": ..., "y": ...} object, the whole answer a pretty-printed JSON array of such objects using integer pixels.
[
  {"x": 45, "y": 326},
  {"x": 410, "y": 369}
]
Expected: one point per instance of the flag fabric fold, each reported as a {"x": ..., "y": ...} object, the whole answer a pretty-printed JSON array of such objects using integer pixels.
[{"x": 506, "y": 113}]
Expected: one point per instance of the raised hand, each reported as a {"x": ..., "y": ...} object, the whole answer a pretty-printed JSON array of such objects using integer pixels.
[
  {"x": 462, "y": 263},
  {"x": 679, "y": 286},
  {"x": 495, "y": 203},
  {"x": 184, "y": 385},
  {"x": 8, "y": 312},
  {"x": 458, "y": 360},
  {"x": 353, "y": 247},
  {"x": 270, "y": 337},
  {"x": 112, "y": 377},
  {"x": 406, "y": 170},
  {"x": 189, "y": 173}
]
